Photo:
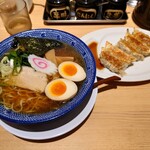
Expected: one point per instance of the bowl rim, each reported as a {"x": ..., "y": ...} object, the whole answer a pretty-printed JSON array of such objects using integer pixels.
[{"x": 39, "y": 118}]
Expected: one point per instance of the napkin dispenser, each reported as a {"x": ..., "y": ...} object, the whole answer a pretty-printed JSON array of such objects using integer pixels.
[{"x": 141, "y": 14}]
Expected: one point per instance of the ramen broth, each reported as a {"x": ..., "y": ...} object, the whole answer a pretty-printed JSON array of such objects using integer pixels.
[{"x": 28, "y": 101}]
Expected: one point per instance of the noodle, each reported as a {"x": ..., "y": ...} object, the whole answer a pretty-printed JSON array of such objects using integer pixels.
[{"x": 26, "y": 101}]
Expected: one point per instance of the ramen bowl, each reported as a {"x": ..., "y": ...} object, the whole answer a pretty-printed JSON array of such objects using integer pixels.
[{"x": 86, "y": 86}]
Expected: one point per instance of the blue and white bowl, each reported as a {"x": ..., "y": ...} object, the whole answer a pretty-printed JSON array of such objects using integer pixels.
[{"x": 86, "y": 88}]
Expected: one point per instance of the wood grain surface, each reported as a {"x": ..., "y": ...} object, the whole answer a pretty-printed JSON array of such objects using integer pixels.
[{"x": 120, "y": 119}]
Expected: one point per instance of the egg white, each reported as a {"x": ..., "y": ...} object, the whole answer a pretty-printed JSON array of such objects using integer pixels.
[
  {"x": 80, "y": 75},
  {"x": 71, "y": 90}
]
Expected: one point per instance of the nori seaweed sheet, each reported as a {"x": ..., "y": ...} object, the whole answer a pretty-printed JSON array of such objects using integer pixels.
[{"x": 37, "y": 46}]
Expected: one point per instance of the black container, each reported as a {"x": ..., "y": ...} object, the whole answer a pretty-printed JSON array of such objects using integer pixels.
[
  {"x": 86, "y": 9},
  {"x": 114, "y": 9},
  {"x": 141, "y": 14},
  {"x": 58, "y": 9}
]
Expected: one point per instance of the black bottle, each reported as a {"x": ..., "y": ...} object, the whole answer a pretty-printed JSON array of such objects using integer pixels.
[
  {"x": 86, "y": 9},
  {"x": 114, "y": 9},
  {"x": 58, "y": 9}
]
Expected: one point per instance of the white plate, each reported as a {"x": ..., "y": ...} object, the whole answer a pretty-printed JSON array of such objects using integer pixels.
[
  {"x": 42, "y": 135},
  {"x": 140, "y": 71}
]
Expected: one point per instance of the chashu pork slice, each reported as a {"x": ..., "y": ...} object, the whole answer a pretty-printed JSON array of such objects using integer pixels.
[
  {"x": 130, "y": 49},
  {"x": 139, "y": 46},
  {"x": 112, "y": 63},
  {"x": 30, "y": 79},
  {"x": 144, "y": 38}
]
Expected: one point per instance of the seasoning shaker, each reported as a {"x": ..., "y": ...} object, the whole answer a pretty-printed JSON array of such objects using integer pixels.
[
  {"x": 86, "y": 9},
  {"x": 114, "y": 9},
  {"x": 132, "y": 3},
  {"x": 58, "y": 9}
]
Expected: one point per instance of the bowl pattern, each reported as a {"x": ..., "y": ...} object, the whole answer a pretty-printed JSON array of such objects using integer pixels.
[{"x": 85, "y": 52}]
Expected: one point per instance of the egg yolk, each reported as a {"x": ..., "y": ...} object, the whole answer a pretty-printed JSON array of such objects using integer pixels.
[
  {"x": 70, "y": 69},
  {"x": 58, "y": 88}
]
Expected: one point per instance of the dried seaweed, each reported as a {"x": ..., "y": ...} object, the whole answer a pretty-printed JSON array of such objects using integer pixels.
[{"x": 37, "y": 46}]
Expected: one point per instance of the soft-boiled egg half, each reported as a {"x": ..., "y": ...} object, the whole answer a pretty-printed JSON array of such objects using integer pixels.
[
  {"x": 61, "y": 89},
  {"x": 71, "y": 71}
]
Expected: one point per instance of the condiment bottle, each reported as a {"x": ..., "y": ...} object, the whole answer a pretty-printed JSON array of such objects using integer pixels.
[
  {"x": 86, "y": 9},
  {"x": 114, "y": 9},
  {"x": 58, "y": 9}
]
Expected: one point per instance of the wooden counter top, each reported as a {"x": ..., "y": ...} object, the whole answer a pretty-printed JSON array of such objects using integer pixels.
[{"x": 120, "y": 119}]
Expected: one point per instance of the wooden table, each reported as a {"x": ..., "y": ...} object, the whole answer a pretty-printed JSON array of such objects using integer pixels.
[{"x": 120, "y": 119}]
